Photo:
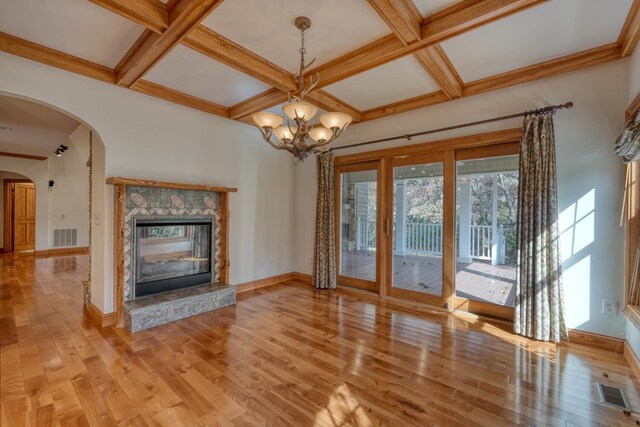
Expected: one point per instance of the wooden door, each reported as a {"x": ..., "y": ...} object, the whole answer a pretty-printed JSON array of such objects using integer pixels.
[{"x": 24, "y": 217}]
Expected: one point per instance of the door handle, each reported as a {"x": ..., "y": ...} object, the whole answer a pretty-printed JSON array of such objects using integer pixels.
[{"x": 387, "y": 224}]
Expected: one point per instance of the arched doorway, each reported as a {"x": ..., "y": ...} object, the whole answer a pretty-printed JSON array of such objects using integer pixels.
[{"x": 68, "y": 185}]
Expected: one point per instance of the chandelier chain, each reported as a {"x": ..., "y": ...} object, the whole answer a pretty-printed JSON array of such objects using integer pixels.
[{"x": 302, "y": 52}]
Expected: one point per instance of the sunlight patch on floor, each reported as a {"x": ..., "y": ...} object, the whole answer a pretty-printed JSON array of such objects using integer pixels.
[{"x": 342, "y": 410}]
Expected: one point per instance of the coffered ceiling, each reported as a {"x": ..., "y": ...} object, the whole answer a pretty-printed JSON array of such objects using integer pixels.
[{"x": 375, "y": 58}]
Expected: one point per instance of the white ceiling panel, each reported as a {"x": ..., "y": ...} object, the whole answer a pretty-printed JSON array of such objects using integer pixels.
[
  {"x": 190, "y": 72},
  {"x": 77, "y": 27},
  {"x": 398, "y": 80},
  {"x": 34, "y": 129},
  {"x": 267, "y": 28},
  {"x": 429, "y": 7},
  {"x": 544, "y": 32}
]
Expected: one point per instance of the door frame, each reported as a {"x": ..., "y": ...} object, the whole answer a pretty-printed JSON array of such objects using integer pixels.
[
  {"x": 8, "y": 196},
  {"x": 466, "y": 147},
  {"x": 338, "y": 171},
  {"x": 397, "y": 292},
  {"x": 465, "y": 304}
]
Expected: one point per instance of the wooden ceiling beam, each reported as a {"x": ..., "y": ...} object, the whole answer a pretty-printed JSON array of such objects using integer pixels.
[
  {"x": 401, "y": 16},
  {"x": 554, "y": 67},
  {"x": 273, "y": 97},
  {"x": 22, "y": 156},
  {"x": 434, "y": 29},
  {"x": 215, "y": 46},
  {"x": 55, "y": 58},
  {"x": 162, "y": 92},
  {"x": 151, "y": 14},
  {"x": 435, "y": 61},
  {"x": 541, "y": 70},
  {"x": 261, "y": 101},
  {"x": 183, "y": 17},
  {"x": 406, "y": 105},
  {"x": 630, "y": 33},
  {"x": 328, "y": 102},
  {"x": 203, "y": 40}
]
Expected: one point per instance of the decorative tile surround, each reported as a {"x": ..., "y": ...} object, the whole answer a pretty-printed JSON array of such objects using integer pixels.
[{"x": 150, "y": 202}]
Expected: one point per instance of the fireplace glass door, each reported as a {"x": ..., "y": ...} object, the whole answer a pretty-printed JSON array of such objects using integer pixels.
[{"x": 171, "y": 256}]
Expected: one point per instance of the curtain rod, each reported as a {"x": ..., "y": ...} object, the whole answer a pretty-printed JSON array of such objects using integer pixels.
[{"x": 550, "y": 109}]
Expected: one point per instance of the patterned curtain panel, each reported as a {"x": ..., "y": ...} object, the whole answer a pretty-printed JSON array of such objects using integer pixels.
[
  {"x": 539, "y": 309},
  {"x": 628, "y": 144},
  {"x": 324, "y": 251}
]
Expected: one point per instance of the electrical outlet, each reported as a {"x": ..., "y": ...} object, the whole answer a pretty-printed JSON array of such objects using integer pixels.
[
  {"x": 609, "y": 307},
  {"x": 98, "y": 219}
]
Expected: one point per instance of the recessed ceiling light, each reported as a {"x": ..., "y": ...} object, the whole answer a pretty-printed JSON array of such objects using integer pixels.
[{"x": 7, "y": 128}]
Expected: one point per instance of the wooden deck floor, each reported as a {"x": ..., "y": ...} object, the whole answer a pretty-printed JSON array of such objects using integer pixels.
[
  {"x": 479, "y": 280},
  {"x": 284, "y": 355}
]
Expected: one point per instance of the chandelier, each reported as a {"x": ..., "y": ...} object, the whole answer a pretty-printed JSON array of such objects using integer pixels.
[{"x": 301, "y": 138}]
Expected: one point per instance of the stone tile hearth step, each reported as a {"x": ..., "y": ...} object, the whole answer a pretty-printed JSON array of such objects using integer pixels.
[{"x": 154, "y": 310}]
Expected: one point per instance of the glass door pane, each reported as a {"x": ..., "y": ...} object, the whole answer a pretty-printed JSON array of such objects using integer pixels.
[
  {"x": 417, "y": 232},
  {"x": 487, "y": 200},
  {"x": 358, "y": 217}
]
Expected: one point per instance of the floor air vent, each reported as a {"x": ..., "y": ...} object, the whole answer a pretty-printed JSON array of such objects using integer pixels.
[
  {"x": 65, "y": 237},
  {"x": 612, "y": 396}
]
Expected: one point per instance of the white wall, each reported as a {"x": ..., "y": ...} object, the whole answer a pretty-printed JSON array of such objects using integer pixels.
[
  {"x": 148, "y": 138},
  {"x": 590, "y": 176},
  {"x": 69, "y": 196}
]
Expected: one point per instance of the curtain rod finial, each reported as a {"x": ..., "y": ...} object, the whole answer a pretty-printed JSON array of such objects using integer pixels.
[{"x": 568, "y": 105}]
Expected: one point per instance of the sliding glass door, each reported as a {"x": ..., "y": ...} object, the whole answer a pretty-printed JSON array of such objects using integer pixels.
[
  {"x": 416, "y": 211},
  {"x": 486, "y": 214},
  {"x": 357, "y": 233},
  {"x": 435, "y": 228}
]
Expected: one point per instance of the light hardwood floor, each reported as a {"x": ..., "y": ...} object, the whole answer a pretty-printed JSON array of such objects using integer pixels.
[{"x": 284, "y": 355}]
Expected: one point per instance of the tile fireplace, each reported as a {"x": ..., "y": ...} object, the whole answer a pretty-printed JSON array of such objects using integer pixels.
[{"x": 171, "y": 251}]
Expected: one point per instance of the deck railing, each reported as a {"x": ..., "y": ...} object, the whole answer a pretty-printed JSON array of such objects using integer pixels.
[
  {"x": 481, "y": 238},
  {"x": 425, "y": 238},
  {"x": 366, "y": 235}
]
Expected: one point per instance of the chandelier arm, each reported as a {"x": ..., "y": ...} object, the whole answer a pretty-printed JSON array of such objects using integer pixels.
[
  {"x": 267, "y": 137},
  {"x": 274, "y": 145},
  {"x": 295, "y": 140}
]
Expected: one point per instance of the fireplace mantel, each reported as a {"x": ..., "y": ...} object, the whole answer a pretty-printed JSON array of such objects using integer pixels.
[
  {"x": 165, "y": 184},
  {"x": 123, "y": 186}
]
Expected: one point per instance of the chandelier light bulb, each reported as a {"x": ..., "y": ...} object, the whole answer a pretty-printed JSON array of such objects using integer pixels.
[
  {"x": 335, "y": 120},
  {"x": 320, "y": 134},
  {"x": 283, "y": 133},
  {"x": 267, "y": 120},
  {"x": 300, "y": 110}
]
